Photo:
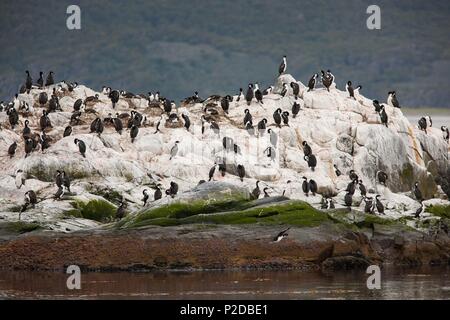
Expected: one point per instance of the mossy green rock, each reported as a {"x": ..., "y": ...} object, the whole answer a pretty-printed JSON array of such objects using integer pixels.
[{"x": 95, "y": 209}]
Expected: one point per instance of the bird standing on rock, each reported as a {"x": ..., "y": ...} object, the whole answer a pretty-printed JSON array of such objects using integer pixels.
[
  {"x": 256, "y": 192},
  {"x": 273, "y": 137},
  {"x": 146, "y": 196},
  {"x": 283, "y": 66},
  {"x": 423, "y": 124},
  {"x": 40, "y": 81},
  {"x": 383, "y": 116},
  {"x": 417, "y": 192},
  {"x": 249, "y": 95},
  {"x": 157, "y": 194},
  {"x": 285, "y": 117},
  {"x": 312, "y": 161},
  {"x": 28, "y": 81},
  {"x": 295, "y": 89},
  {"x": 81, "y": 147},
  {"x": 173, "y": 189},
  {"x": 312, "y": 82},
  {"x": 120, "y": 213},
  {"x": 174, "y": 150},
  {"x": 348, "y": 199},
  {"x": 12, "y": 149},
  {"x": 67, "y": 131},
  {"x": 114, "y": 97},
  {"x": 445, "y": 133},
  {"x": 241, "y": 171},
  {"x": 368, "y": 207},
  {"x": 277, "y": 117},
  {"x": 379, "y": 205},
  {"x": 392, "y": 100},
  {"x": 247, "y": 116},
  {"x": 305, "y": 186},
  {"x": 295, "y": 109},
  {"x": 307, "y": 151},
  {"x": 49, "y": 81},
  {"x": 134, "y": 132}
]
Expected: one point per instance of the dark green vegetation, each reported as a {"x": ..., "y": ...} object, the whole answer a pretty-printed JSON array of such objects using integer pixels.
[
  {"x": 279, "y": 211},
  {"x": 22, "y": 227},
  {"x": 215, "y": 46},
  {"x": 439, "y": 210},
  {"x": 97, "y": 209},
  {"x": 295, "y": 213}
]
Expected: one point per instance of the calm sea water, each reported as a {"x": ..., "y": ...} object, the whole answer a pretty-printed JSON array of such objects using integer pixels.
[{"x": 432, "y": 283}]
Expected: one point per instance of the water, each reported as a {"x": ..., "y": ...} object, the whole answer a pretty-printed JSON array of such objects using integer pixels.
[{"x": 431, "y": 283}]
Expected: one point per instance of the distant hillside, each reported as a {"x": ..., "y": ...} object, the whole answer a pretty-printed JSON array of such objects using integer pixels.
[{"x": 178, "y": 47}]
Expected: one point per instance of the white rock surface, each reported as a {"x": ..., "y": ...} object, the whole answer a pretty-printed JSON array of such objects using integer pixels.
[{"x": 340, "y": 131}]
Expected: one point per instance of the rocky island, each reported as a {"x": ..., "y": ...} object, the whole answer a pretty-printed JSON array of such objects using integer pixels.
[{"x": 209, "y": 184}]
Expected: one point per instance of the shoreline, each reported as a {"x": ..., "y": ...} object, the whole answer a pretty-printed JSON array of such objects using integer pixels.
[{"x": 225, "y": 248}]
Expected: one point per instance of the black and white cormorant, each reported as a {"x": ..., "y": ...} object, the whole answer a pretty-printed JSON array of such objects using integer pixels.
[
  {"x": 351, "y": 91},
  {"x": 283, "y": 234},
  {"x": 134, "y": 132},
  {"x": 273, "y": 137},
  {"x": 28, "y": 81},
  {"x": 379, "y": 205},
  {"x": 305, "y": 186},
  {"x": 312, "y": 82},
  {"x": 258, "y": 94},
  {"x": 284, "y": 90},
  {"x": 12, "y": 149},
  {"x": 283, "y": 66},
  {"x": 348, "y": 199},
  {"x": 382, "y": 177},
  {"x": 250, "y": 94},
  {"x": 362, "y": 188},
  {"x": 352, "y": 175},
  {"x": 225, "y": 104},
  {"x": 187, "y": 121},
  {"x": 241, "y": 171},
  {"x": 120, "y": 213},
  {"x": 247, "y": 116},
  {"x": 256, "y": 192},
  {"x": 157, "y": 194},
  {"x": 295, "y": 89},
  {"x": 417, "y": 192},
  {"x": 173, "y": 189},
  {"x": 445, "y": 133},
  {"x": 262, "y": 126},
  {"x": 146, "y": 196},
  {"x": 383, "y": 116},
  {"x": 392, "y": 99},
  {"x": 270, "y": 153},
  {"x": 337, "y": 171},
  {"x": 312, "y": 161},
  {"x": 307, "y": 151},
  {"x": 376, "y": 105},
  {"x": 29, "y": 146},
  {"x": 40, "y": 81},
  {"x": 81, "y": 146},
  {"x": 285, "y": 117},
  {"x": 49, "y": 81},
  {"x": 423, "y": 124},
  {"x": 114, "y": 96},
  {"x": 174, "y": 150},
  {"x": 277, "y": 117},
  {"x": 295, "y": 109},
  {"x": 313, "y": 186}
]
